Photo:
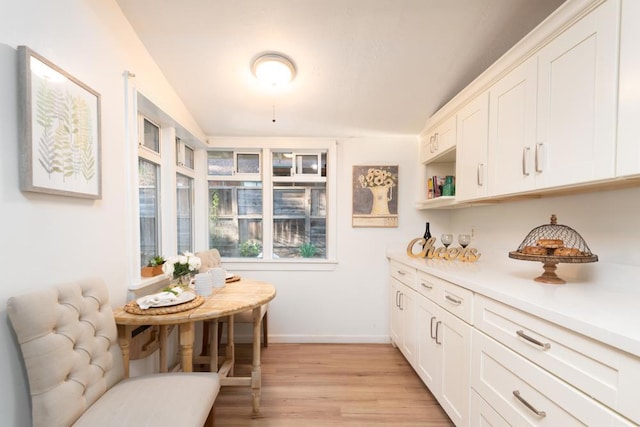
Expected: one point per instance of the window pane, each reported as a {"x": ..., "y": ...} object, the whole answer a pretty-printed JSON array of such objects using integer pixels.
[
  {"x": 151, "y": 137},
  {"x": 148, "y": 190},
  {"x": 299, "y": 223},
  {"x": 220, "y": 163},
  {"x": 188, "y": 157},
  {"x": 184, "y": 197},
  {"x": 235, "y": 218},
  {"x": 282, "y": 164},
  {"x": 307, "y": 164},
  {"x": 248, "y": 163}
]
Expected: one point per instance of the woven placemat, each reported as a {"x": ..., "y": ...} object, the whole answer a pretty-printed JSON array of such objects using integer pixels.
[
  {"x": 232, "y": 279},
  {"x": 133, "y": 307}
]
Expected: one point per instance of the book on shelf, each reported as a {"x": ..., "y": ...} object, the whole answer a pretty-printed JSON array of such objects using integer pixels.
[{"x": 435, "y": 185}]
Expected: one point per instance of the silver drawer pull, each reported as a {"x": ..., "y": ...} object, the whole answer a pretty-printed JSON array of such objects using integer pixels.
[
  {"x": 453, "y": 300},
  {"x": 431, "y": 328},
  {"x": 529, "y": 406},
  {"x": 545, "y": 346},
  {"x": 402, "y": 273},
  {"x": 426, "y": 286},
  {"x": 438, "y": 327}
]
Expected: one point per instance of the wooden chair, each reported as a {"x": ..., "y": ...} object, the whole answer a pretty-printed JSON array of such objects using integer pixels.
[{"x": 69, "y": 343}]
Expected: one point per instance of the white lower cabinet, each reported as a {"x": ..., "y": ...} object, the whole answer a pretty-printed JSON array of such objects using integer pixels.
[
  {"x": 444, "y": 345},
  {"x": 483, "y": 415},
  {"x": 403, "y": 323},
  {"x": 526, "y": 395}
]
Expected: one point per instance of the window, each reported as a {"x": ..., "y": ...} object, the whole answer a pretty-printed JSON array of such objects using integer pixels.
[
  {"x": 149, "y": 195},
  {"x": 184, "y": 210},
  {"x": 280, "y": 215},
  {"x": 151, "y": 135},
  {"x": 184, "y": 155}
]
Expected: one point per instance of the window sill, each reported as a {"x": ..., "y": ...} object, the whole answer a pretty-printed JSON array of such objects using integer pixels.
[
  {"x": 255, "y": 264},
  {"x": 146, "y": 282}
]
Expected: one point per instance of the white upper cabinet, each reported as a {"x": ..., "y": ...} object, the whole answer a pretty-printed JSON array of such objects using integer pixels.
[
  {"x": 628, "y": 161},
  {"x": 471, "y": 151},
  {"x": 440, "y": 141},
  {"x": 512, "y": 130},
  {"x": 577, "y": 100}
]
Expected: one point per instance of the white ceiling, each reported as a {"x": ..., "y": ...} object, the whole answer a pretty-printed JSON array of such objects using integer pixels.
[{"x": 365, "y": 67}]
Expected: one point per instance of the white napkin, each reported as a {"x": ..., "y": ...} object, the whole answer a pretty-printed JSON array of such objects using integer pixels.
[{"x": 159, "y": 298}]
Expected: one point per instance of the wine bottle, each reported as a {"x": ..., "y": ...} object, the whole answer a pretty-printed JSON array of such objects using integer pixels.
[{"x": 427, "y": 234}]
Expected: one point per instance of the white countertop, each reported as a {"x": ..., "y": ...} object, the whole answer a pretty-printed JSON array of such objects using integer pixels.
[{"x": 600, "y": 302}]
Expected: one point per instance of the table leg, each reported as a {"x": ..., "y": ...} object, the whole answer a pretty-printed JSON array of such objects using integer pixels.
[
  {"x": 124, "y": 338},
  {"x": 213, "y": 352},
  {"x": 256, "y": 370},
  {"x": 186, "y": 345},
  {"x": 231, "y": 350},
  {"x": 162, "y": 338}
]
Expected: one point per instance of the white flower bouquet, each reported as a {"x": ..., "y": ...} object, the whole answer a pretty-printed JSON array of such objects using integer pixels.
[
  {"x": 377, "y": 178},
  {"x": 182, "y": 264}
]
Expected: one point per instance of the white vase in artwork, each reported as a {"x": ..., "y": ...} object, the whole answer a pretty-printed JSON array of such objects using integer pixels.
[{"x": 381, "y": 197}]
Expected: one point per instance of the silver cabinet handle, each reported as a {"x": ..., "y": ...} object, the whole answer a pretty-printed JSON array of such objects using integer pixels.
[
  {"x": 398, "y": 299},
  {"x": 424, "y": 284},
  {"x": 436, "y": 140},
  {"x": 539, "y": 157},
  {"x": 479, "y": 174},
  {"x": 437, "y": 328},
  {"x": 431, "y": 139},
  {"x": 544, "y": 346},
  {"x": 401, "y": 307},
  {"x": 525, "y": 158},
  {"x": 431, "y": 328},
  {"x": 453, "y": 300},
  {"x": 529, "y": 406},
  {"x": 402, "y": 273}
]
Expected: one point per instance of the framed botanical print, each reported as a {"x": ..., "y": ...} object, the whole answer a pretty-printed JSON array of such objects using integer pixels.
[{"x": 60, "y": 133}]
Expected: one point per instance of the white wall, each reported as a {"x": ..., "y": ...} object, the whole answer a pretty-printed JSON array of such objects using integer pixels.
[{"x": 52, "y": 239}]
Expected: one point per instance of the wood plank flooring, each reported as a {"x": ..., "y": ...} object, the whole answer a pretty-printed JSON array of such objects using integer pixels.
[{"x": 313, "y": 385}]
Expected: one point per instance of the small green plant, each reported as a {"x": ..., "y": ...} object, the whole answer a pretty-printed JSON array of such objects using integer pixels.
[
  {"x": 250, "y": 248},
  {"x": 155, "y": 261},
  {"x": 308, "y": 250}
]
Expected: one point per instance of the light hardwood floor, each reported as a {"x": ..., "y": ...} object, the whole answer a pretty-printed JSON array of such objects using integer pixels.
[{"x": 313, "y": 385}]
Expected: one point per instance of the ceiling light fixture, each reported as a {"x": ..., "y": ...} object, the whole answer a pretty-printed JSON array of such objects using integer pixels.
[{"x": 273, "y": 69}]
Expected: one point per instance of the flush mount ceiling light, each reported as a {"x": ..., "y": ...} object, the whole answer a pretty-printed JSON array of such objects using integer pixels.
[{"x": 273, "y": 69}]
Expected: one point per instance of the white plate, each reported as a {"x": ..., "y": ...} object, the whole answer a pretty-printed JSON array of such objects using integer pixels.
[{"x": 185, "y": 296}]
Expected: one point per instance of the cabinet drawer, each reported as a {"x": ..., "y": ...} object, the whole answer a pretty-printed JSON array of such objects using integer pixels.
[
  {"x": 525, "y": 395},
  {"x": 404, "y": 273},
  {"x": 606, "y": 374},
  {"x": 458, "y": 301},
  {"x": 483, "y": 415},
  {"x": 430, "y": 286}
]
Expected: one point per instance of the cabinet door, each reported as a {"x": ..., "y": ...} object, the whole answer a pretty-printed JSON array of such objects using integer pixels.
[
  {"x": 512, "y": 130},
  {"x": 455, "y": 338},
  {"x": 471, "y": 154},
  {"x": 439, "y": 141},
  {"x": 429, "y": 355},
  {"x": 409, "y": 324},
  {"x": 395, "y": 319},
  {"x": 628, "y": 149},
  {"x": 577, "y": 94}
]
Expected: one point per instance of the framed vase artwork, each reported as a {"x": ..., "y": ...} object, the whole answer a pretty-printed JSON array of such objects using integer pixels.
[
  {"x": 59, "y": 130},
  {"x": 375, "y": 196}
]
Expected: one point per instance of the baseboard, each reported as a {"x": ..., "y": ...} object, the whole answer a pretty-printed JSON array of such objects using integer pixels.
[{"x": 320, "y": 339}]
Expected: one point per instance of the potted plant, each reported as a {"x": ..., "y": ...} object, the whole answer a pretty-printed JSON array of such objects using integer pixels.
[
  {"x": 250, "y": 248},
  {"x": 153, "y": 267}
]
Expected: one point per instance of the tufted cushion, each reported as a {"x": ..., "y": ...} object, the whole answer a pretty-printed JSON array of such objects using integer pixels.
[{"x": 69, "y": 344}]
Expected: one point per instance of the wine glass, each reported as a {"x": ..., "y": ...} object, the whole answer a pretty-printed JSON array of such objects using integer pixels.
[
  {"x": 447, "y": 239},
  {"x": 464, "y": 240}
]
